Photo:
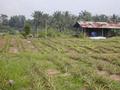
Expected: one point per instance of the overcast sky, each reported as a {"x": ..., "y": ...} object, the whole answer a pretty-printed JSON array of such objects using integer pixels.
[{"x": 27, "y": 7}]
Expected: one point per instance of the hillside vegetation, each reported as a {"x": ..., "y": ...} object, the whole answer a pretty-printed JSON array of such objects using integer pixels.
[{"x": 59, "y": 64}]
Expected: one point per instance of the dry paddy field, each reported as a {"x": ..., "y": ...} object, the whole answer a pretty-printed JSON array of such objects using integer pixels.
[{"x": 59, "y": 64}]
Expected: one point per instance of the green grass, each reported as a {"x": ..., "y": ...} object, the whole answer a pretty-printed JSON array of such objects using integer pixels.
[{"x": 59, "y": 64}]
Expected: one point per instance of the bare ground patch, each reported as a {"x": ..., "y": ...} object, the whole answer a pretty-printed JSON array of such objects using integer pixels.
[
  {"x": 13, "y": 50},
  {"x": 65, "y": 74},
  {"x": 115, "y": 77},
  {"x": 103, "y": 73},
  {"x": 52, "y": 72},
  {"x": 13, "y": 47},
  {"x": 29, "y": 46},
  {"x": 2, "y": 43}
]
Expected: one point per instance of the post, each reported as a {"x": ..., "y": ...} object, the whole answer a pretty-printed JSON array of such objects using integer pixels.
[
  {"x": 102, "y": 32},
  {"x": 84, "y": 32}
]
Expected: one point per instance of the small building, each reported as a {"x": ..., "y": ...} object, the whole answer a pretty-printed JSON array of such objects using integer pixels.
[{"x": 94, "y": 29}]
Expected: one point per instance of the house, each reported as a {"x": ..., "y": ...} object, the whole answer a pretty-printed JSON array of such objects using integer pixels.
[{"x": 95, "y": 29}]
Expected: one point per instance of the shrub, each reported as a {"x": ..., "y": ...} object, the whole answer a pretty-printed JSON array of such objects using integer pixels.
[{"x": 26, "y": 31}]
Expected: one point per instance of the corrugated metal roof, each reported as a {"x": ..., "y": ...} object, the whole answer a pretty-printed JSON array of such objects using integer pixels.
[{"x": 86, "y": 24}]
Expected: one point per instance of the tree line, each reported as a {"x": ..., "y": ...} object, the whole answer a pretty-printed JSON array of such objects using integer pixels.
[{"x": 60, "y": 21}]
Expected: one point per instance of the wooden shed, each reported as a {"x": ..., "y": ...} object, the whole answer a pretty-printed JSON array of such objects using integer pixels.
[{"x": 92, "y": 29}]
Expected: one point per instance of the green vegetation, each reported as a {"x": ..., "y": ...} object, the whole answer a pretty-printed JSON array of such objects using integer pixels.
[
  {"x": 26, "y": 31},
  {"x": 59, "y": 63},
  {"x": 59, "y": 21},
  {"x": 49, "y": 33}
]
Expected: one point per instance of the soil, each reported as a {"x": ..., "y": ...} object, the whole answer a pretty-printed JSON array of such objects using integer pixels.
[
  {"x": 66, "y": 74},
  {"x": 114, "y": 77},
  {"x": 103, "y": 73},
  {"x": 2, "y": 43},
  {"x": 13, "y": 46},
  {"x": 31, "y": 46},
  {"x": 13, "y": 50},
  {"x": 52, "y": 72}
]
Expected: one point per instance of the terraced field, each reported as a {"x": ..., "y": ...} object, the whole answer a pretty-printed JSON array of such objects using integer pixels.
[{"x": 59, "y": 64}]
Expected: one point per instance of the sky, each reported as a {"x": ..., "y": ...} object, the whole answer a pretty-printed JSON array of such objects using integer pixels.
[{"x": 27, "y": 7}]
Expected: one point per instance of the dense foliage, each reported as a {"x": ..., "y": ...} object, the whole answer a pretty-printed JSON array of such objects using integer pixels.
[{"x": 59, "y": 21}]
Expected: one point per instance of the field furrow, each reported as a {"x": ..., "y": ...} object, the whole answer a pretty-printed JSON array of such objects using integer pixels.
[{"x": 59, "y": 64}]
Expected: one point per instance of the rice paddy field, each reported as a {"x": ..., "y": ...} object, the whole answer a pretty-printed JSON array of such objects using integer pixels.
[{"x": 59, "y": 64}]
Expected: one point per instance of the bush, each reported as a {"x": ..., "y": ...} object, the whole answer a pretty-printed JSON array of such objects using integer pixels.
[{"x": 26, "y": 31}]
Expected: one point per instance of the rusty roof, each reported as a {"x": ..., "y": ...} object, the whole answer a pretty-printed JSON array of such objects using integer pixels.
[{"x": 86, "y": 24}]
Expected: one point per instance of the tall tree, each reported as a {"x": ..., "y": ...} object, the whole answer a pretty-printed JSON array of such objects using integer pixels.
[
  {"x": 85, "y": 16},
  {"x": 40, "y": 19},
  {"x": 4, "y": 19},
  {"x": 17, "y": 21},
  {"x": 114, "y": 18},
  {"x": 100, "y": 18},
  {"x": 58, "y": 20},
  {"x": 37, "y": 16}
]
